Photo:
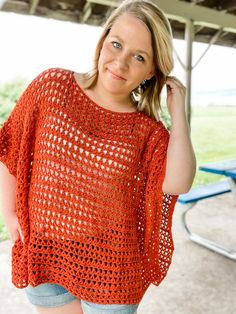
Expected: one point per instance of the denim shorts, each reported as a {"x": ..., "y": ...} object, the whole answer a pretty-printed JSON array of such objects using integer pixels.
[{"x": 49, "y": 295}]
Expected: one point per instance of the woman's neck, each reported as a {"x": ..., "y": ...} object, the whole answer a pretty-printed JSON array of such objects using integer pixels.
[
  {"x": 108, "y": 101},
  {"x": 111, "y": 101}
]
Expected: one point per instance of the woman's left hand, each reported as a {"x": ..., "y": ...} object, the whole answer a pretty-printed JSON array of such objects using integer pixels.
[{"x": 176, "y": 92}]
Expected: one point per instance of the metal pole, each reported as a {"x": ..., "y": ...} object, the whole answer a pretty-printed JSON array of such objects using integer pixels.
[{"x": 189, "y": 36}]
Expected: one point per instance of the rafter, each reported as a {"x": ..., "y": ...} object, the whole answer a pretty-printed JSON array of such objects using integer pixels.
[
  {"x": 87, "y": 11},
  {"x": 196, "y": 1},
  {"x": 182, "y": 11},
  {"x": 214, "y": 38},
  {"x": 176, "y": 10},
  {"x": 108, "y": 3},
  {"x": 33, "y": 6}
]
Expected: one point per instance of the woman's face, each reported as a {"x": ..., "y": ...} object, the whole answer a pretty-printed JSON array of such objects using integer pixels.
[{"x": 126, "y": 57}]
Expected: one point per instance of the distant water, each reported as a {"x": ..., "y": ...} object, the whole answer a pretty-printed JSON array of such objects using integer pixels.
[{"x": 226, "y": 97}]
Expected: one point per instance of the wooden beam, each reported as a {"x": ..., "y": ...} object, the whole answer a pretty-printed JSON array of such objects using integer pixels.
[
  {"x": 183, "y": 11},
  {"x": 175, "y": 10},
  {"x": 108, "y": 3},
  {"x": 198, "y": 28},
  {"x": 16, "y": 6},
  {"x": 196, "y": 1},
  {"x": 23, "y": 8},
  {"x": 87, "y": 11},
  {"x": 213, "y": 40},
  {"x": 66, "y": 16},
  {"x": 33, "y": 6}
]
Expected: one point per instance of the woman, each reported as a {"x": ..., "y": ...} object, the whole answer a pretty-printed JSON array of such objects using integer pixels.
[{"x": 93, "y": 173}]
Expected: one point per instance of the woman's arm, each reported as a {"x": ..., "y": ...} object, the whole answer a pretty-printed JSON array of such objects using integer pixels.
[
  {"x": 8, "y": 202},
  {"x": 181, "y": 160}
]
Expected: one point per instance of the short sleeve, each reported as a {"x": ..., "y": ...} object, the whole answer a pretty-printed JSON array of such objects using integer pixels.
[
  {"x": 159, "y": 207},
  {"x": 19, "y": 123}
]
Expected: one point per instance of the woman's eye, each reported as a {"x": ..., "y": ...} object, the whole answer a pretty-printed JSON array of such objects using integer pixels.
[
  {"x": 139, "y": 58},
  {"x": 115, "y": 44}
]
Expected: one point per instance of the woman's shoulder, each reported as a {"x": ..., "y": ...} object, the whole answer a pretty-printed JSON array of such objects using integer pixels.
[
  {"x": 158, "y": 133},
  {"x": 62, "y": 76},
  {"x": 52, "y": 79},
  {"x": 48, "y": 84},
  {"x": 79, "y": 78},
  {"x": 54, "y": 74},
  {"x": 156, "y": 127}
]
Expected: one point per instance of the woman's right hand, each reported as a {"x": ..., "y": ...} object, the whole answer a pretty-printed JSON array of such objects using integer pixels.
[
  {"x": 13, "y": 227},
  {"x": 8, "y": 203}
]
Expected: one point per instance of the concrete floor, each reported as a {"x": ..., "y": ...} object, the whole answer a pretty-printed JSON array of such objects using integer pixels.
[{"x": 198, "y": 282}]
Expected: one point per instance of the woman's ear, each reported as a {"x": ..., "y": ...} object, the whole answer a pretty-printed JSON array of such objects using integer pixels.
[{"x": 151, "y": 74}]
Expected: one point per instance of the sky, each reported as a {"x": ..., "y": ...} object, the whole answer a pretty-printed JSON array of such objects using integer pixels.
[{"x": 32, "y": 44}]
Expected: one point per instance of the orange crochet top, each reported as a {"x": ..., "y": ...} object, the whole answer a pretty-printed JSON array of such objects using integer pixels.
[{"x": 89, "y": 193}]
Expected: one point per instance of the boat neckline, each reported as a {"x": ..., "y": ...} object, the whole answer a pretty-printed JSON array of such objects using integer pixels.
[{"x": 99, "y": 106}]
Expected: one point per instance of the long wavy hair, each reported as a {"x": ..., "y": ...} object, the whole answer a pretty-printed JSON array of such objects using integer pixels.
[{"x": 147, "y": 95}]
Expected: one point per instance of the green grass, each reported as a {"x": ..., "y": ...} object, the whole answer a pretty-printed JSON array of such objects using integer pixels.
[
  {"x": 213, "y": 132},
  {"x": 3, "y": 230}
]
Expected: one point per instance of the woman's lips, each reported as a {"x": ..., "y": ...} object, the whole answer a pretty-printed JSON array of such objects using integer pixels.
[{"x": 116, "y": 76}]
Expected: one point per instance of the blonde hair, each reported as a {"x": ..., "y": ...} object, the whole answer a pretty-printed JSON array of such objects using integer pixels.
[{"x": 147, "y": 95}]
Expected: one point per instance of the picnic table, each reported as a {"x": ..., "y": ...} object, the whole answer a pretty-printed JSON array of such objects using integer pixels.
[{"x": 226, "y": 168}]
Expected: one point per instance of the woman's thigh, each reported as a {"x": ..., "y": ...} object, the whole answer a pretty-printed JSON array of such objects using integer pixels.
[
  {"x": 95, "y": 308},
  {"x": 73, "y": 307},
  {"x": 48, "y": 295},
  {"x": 52, "y": 295}
]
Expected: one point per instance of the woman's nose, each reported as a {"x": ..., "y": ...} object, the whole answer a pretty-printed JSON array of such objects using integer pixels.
[{"x": 122, "y": 60}]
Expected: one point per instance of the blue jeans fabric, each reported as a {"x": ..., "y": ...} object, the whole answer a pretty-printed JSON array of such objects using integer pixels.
[{"x": 53, "y": 295}]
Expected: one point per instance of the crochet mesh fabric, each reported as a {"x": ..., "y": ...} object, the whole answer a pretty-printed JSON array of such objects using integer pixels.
[{"x": 89, "y": 194}]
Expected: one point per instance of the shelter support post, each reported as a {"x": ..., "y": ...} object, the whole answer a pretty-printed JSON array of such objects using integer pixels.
[{"x": 189, "y": 37}]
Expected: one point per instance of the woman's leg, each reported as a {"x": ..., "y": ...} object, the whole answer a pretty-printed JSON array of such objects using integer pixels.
[
  {"x": 49, "y": 298},
  {"x": 95, "y": 308},
  {"x": 71, "y": 308}
]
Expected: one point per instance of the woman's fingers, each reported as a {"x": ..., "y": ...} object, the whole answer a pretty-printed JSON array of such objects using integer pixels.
[
  {"x": 172, "y": 81},
  {"x": 21, "y": 234},
  {"x": 14, "y": 236},
  {"x": 13, "y": 227}
]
